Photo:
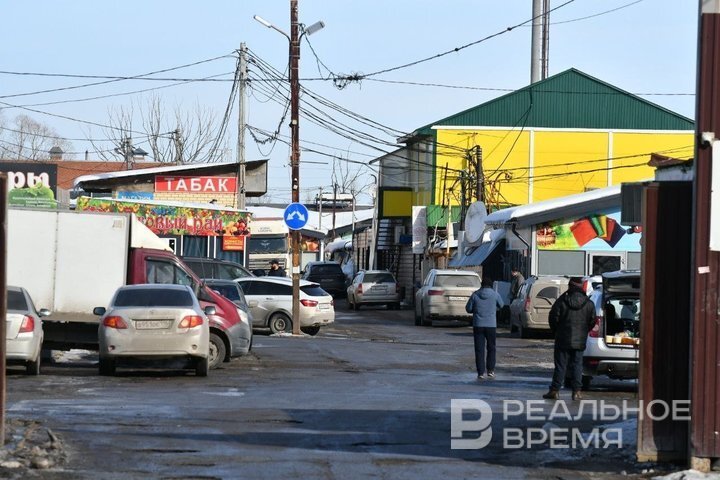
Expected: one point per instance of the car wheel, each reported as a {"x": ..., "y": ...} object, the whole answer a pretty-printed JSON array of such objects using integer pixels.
[
  {"x": 32, "y": 367},
  {"x": 280, "y": 322},
  {"x": 217, "y": 351},
  {"x": 312, "y": 331},
  {"x": 107, "y": 366},
  {"x": 417, "y": 318},
  {"x": 586, "y": 380},
  {"x": 202, "y": 367}
]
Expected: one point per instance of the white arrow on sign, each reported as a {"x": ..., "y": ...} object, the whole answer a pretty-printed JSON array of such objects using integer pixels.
[{"x": 296, "y": 214}]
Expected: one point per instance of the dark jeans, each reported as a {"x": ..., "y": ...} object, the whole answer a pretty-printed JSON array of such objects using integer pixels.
[
  {"x": 481, "y": 335},
  {"x": 567, "y": 358}
]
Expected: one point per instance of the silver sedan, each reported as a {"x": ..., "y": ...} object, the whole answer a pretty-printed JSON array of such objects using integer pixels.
[
  {"x": 24, "y": 330},
  {"x": 154, "y": 322}
]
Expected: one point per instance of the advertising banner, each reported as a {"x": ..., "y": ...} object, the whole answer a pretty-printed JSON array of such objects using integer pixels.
[
  {"x": 165, "y": 183},
  {"x": 165, "y": 219},
  {"x": 601, "y": 231},
  {"x": 31, "y": 184}
]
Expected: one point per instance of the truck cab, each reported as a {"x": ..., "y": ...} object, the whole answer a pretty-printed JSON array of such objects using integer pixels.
[{"x": 269, "y": 240}]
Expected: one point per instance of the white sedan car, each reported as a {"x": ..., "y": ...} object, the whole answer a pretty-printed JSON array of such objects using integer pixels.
[
  {"x": 154, "y": 322},
  {"x": 24, "y": 330},
  {"x": 444, "y": 295}
]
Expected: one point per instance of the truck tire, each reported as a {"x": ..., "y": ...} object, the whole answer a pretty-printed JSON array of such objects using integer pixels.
[
  {"x": 217, "y": 353},
  {"x": 279, "y": 322},
  {"x": 32, "y": 367},
  {"x": 202, "y": 367},
  {"x": 312, "y": 331},
  {"x": 107, "y": 366}
]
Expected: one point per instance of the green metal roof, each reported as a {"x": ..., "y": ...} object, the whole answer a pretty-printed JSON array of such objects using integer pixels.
[{"x": 570, "y": 99}]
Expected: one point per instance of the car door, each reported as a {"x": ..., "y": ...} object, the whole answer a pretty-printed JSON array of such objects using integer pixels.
[
  {"x": 254, "y": 298},
  {"x": 542, "y": 300}
]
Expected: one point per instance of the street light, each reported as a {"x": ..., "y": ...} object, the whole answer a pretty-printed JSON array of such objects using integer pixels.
[{"x": 294, "y": 39}]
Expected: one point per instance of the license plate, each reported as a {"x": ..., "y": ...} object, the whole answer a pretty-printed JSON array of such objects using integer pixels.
[
  {"x": 457, "y": 299},
  {"x": 152, "y": 324},
  {"x": 323, "y": 306}
]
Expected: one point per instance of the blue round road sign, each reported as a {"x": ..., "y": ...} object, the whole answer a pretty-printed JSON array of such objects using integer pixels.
[{"x": 296, "y": 216}]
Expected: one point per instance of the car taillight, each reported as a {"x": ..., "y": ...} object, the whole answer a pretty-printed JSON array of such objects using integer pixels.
[
  {"x": 28, "y": 324},
  {"x": 435, "y": 292},
  {"x": 527, "y": 304},
  {"x": 309, "y": 303},
  {"x": 595, "y": 331},
  {"x": 114, "y": 322},
  {"x": 359, "y": 289},
  {"x": 191, "y": 321}
]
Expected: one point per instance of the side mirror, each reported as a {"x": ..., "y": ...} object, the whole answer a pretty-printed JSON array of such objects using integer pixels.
[
  {"x": 210, "y": 310},
  {"x": 99, "y": 311},
  {"x": 44, "y": 312},
  {"x": 418, "y": 285}
]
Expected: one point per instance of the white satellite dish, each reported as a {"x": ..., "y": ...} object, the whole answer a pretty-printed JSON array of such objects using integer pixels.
[{"x": 475, "y": 224}]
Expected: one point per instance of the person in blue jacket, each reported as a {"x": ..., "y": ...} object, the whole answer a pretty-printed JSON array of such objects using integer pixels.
[{"x": 484, "y": 304}]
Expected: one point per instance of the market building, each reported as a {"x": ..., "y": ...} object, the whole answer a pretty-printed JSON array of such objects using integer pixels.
[{"x": 568, "y": 134}]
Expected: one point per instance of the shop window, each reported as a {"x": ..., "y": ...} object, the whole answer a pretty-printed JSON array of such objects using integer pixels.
[{"x": 561, "y": 262}]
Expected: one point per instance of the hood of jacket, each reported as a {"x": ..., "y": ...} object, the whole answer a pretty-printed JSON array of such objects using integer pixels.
[
  {"x": 575, "y": 300},
  {"x": 486, "y": 292}
]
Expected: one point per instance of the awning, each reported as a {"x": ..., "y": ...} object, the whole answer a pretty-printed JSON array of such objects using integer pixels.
[{"x": 475, "y": 256}]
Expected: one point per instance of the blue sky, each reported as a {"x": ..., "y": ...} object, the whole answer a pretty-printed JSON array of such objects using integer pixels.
[{"x": 647, "y": 47}]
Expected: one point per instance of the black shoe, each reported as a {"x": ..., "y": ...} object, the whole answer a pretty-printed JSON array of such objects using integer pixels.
[{"x": 551, "y": 395}]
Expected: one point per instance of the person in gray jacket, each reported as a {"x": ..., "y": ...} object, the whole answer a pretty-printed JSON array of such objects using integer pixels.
[{"x": 484, "y": 304}]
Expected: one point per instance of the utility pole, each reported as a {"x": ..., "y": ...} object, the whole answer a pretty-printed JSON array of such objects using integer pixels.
[
  {"x": 295, "y": 155},
  {"x": 545, "y": 58},
  {"x": 3, "y": 299},
  {"x": 334, "y": 207},
  {"x": 479, "y": 174},
  {"x": 241, "y": 128},
  {"x": 127, "y": 152},
  {"x": 463, "y": 201},
  {"x": 536, "y": 42},
  {"x": 177, "y": 139},
  {"x": 322, "y": 244}
]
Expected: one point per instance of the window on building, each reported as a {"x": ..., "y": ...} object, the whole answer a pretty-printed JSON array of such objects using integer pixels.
[{"x": 561, "y": 262}]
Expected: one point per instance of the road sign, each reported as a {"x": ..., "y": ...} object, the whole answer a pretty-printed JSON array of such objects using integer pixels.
[{"x": 296, "y": 216}]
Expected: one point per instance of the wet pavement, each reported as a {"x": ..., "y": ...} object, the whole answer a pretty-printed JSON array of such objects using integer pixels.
[{"x": 369, "y": 397}]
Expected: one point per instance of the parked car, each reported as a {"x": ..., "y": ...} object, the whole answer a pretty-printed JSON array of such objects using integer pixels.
[
  {"x": 24, "y": 331},
  {"x": 216, "y": 268},
  {"x": 444, "y": 294},
  {"x": 240, "y": 335},
  {"x": 613, "y": 345},
  {"x": 270, "y": 302},
  {"x": 373, "y": 287},
  {"x": 154, "y": 322},
  {"x": 329, "y": 275},
  {"x": 530, "y": 309}
]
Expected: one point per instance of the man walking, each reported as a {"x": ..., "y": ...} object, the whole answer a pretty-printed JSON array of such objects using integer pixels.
[
  {"x": 571, "y": 317},
  {"x": 516, "y": 282},
  {"x": 483, "y": 304}
]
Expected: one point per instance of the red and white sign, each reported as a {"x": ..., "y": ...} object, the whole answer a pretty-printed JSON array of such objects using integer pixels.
[
  {"x": 233, "y": 243},
  {"x": 195, "y": 184}
]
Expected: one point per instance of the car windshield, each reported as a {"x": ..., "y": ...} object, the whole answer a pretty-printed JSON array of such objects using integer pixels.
[
  {"x": 227, "y": 291},
  {"x": 379, "y": 278},
  {"x": 267, "y": 244},
  {"x": 16, "y": 301},
  {"x": 457, "y": 281},
  {"x": 333, "y": 269},
  {"x": 313, "y": 291},
  {"x": 153, "y": 297}
]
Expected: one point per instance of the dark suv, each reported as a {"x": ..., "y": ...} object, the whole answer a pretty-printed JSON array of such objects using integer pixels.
[
  {"x": 328, "y": 274},
  {"x": 216, "y": 268}
]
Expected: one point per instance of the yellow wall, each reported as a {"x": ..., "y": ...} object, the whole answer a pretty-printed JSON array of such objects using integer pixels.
[{"x": 563, "y": 162}]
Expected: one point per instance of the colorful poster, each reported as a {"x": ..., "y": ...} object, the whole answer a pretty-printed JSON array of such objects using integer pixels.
[
  {"x": 31, "y": 184},
  {"x": 165, "y": 219},
  {"x": 601, "y": 231}
]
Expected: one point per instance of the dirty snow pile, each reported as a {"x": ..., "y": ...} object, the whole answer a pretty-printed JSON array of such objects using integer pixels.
[
  {"x": 29, "y": 446},
  {"x": 690, "y": 475}
]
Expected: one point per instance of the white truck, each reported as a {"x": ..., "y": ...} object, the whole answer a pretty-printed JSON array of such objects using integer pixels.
[
  {"x": 71, "y": 262},
  {"x": 269, "y": 240}
]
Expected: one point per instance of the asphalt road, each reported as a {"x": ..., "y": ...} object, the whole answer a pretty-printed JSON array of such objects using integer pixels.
[{"x": 369, "y": 397}]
